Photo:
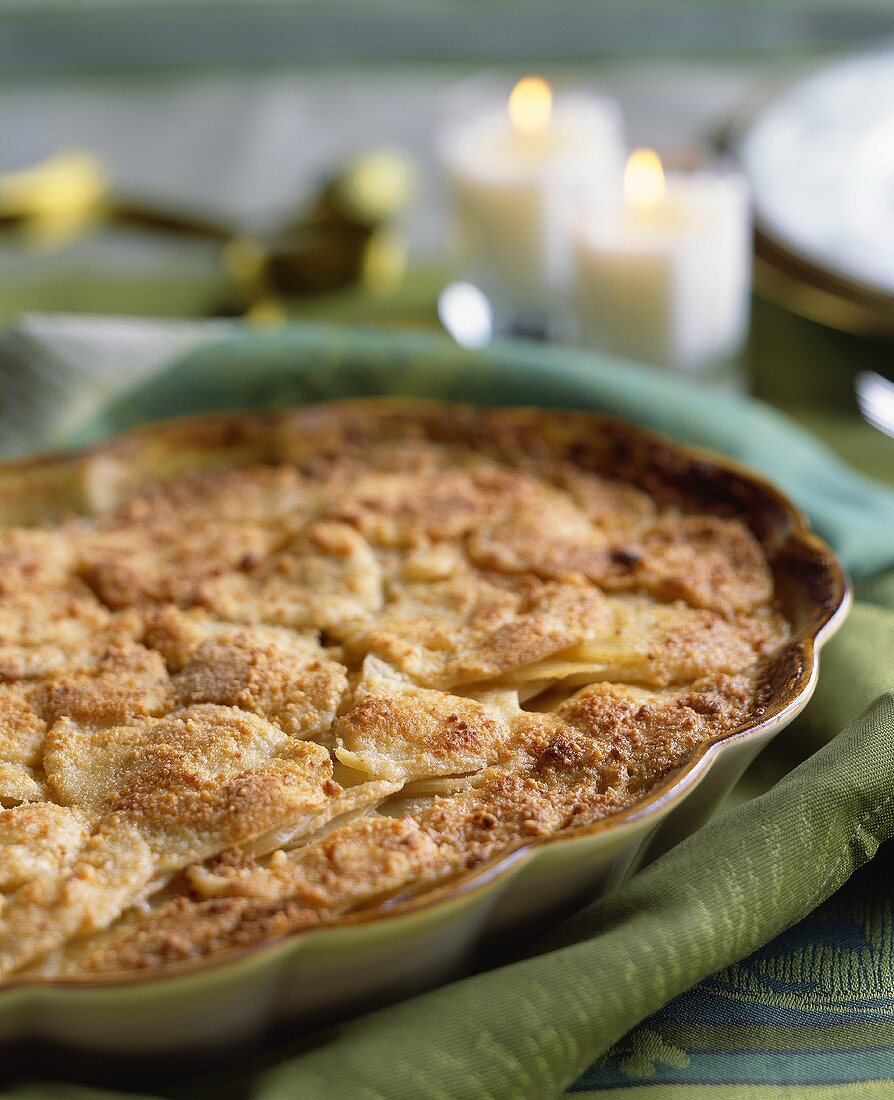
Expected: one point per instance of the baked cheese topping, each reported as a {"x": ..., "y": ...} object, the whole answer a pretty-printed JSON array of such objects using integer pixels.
[{"x": 245, "y": 701}]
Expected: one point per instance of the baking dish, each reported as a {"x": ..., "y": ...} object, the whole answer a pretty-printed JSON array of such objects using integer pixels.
[{"x": 319, "y": 974}]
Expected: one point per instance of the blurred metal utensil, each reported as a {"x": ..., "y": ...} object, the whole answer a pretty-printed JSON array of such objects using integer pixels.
[
  {"x": 54, "y": 201},
  {"x": 466, "y": 314},
  {"x": 875, "y": 397},
  {"x": 347, "y": 236}
]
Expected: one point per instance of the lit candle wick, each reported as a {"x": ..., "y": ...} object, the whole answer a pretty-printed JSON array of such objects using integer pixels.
[
  {"x": 644, "y": 186},
  {"x": 531, "y": 105}
]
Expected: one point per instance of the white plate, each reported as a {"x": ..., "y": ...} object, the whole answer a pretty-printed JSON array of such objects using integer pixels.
[{"x": 820, "y": 158}]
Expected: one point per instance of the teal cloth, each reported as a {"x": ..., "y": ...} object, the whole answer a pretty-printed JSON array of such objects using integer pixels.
[{"x": 713, "y": 970}]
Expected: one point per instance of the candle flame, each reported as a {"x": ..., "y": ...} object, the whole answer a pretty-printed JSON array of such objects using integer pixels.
[
  {"x": 644, "y": 186},
  {"x": 531, "y": 105}
]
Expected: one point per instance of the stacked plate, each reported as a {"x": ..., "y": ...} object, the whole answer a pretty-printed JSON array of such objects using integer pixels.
[{"x": 819, "y": 153}]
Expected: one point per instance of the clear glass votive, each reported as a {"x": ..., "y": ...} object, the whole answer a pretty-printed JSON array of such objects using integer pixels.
[
  {"x": 664, "y": 276},
  {"x": 522, "y": 161}
]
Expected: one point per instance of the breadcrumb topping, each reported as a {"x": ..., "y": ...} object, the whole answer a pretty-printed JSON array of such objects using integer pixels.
[{"x": 245, "y": 701}]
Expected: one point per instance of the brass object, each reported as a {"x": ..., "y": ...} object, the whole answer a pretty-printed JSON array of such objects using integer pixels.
[
  {"x": 55, "y": 201},
  {"x": 339, "y": 240},
  {"x": 345, "y": 237}
]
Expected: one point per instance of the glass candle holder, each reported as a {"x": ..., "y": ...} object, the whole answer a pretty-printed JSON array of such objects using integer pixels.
[
  {"x": 523, "y": 160},
  {"x": 665, "y": 275}
]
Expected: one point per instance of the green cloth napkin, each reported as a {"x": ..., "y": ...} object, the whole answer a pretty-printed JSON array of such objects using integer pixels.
[{"x": 785, "y": 1024}]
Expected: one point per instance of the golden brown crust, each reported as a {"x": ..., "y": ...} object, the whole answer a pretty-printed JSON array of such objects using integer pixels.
[
  {"x": 126, "y": 681},
  {"x": 134, "y": 566},
  {"x": 395, "y": 730},
  {"x": 382, "y": 649},
  {"x": 282, "y": 677},
  {"x": 22, "y": 732},
  {"x": 466, "y": 628},
  {"x": 326, "y": 577}
]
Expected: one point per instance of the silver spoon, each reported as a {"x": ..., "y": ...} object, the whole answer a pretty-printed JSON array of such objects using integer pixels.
[{"x": 875, "y": 396}]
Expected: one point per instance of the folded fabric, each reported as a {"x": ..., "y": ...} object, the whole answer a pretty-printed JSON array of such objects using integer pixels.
[{"x": 530, "y": 1029}]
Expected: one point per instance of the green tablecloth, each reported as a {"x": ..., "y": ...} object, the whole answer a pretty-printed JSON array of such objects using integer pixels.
[{"x": 732, "y": 980}]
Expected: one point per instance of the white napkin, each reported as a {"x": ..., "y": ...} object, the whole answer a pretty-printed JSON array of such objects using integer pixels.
[{"x": 58, "y": 371}]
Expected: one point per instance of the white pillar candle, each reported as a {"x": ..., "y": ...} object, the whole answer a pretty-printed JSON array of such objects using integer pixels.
[
  {"x": 520, "y": 175},
  {"x": 666, "y": 276}
]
